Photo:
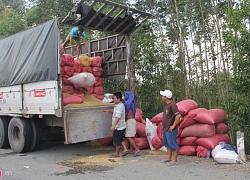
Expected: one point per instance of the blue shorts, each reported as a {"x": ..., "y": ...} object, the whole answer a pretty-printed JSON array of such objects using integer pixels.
[
  {"x": 169, "y": 139},
  {"x": 118, "y": 136}
]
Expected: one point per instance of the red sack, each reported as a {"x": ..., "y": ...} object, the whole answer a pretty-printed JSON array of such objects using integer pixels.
[
  {"x": 221, "y": 128},
  {"x": 98, "y": 90},
  {"x": 159, "y": 130},
  {"x": 186, "y": 105},
  {"x": 96, "y": 61},
  {"x": 142, "y": 143},
  {"x": 157, "y": 142},
  {"x": 98, "y": 82},
  {"x": 74, "y": 99},
  {"x": 178, "y": 141},
  {"x": 65, "y": 80},
  {"x": 67, "y": 70},
  {"x": 158, "y": 118},
  {"x": 187, "y": 150},
  {"x": 201, "y": 152},
  {"x": 188, "y": 119},
  {"x": 106, "y": 141},
  {"x": 87, "y": 69},
  {"x": 211, "y": 116},
  {"x": 77, "y": 66},
  {"x": 198, "y": 130},
  {"x": 211, "y": 142},
  {"x": 179, "y": 131},
  {"x": 68, "y": 89},
  {"x": 61, "y": 50},
  {"x": 188, "y": 141},
  {"x": 140, "y": 129},
  {"x": 79, "y": 90},
  {"x": 97, "y": 71},
  {"x": 67, "y": 60},
  {"x": 138, "y": 115},
  {"x": 89, "y": 90}
]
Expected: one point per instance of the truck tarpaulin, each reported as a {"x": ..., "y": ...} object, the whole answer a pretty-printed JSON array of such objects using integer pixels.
[{"x": 30, "y": 55}]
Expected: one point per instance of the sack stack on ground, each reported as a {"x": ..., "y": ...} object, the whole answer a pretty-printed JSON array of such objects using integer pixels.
[{"x": 199, "y": 131}]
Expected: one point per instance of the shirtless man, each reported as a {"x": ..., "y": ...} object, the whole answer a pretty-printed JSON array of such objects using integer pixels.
[{"x": 130, "y": 123}]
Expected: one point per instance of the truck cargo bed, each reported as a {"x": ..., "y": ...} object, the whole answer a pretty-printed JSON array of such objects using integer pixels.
[{"x": 86, "y": 123}]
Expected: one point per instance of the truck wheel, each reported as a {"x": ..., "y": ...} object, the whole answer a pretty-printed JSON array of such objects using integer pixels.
[
  {"x": 37, "y": 131},
  {"x": 4, "y": 142},
  {"x": 20, "y": 135}
]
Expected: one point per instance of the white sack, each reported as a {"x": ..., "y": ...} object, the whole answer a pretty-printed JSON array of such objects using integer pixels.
[
  {"x": 83, "y": 79},
  {"x": 225, "y": 156}
]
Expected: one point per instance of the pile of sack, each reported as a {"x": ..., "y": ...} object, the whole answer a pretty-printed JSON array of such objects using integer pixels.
[
  {"x": 81, "y": 77},
  {"x": 201, "y": 132}
]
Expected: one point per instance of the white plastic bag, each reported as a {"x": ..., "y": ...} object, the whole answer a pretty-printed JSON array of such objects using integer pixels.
[
  {"x": 225, "y": 156},
  {"x": 83, "y": 79},
  {"x": 150, "y": 132}
]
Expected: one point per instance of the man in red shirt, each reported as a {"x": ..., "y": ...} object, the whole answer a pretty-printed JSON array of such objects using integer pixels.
[{"x": 170, "y": 121}]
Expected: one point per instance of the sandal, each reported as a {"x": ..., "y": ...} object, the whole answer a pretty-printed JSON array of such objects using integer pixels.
[
  {"x": 172, "y": 163},
  {"x": 114, "y": 156},
  {"x": 137, "y": 153},
  {"x": 125, "y": 153},
  {"x": 165, "y": 160}
]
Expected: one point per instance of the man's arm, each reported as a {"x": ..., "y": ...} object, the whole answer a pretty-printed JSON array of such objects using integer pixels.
[
  {"x": 115, "y": 123},
  {"x": 176, "y": 122},
  {"x": 72, "y": 43}
]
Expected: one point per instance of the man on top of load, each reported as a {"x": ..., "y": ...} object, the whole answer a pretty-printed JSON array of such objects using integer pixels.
[{"x": 75, "y": 34}]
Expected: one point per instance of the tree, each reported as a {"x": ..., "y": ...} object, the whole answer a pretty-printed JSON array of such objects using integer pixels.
[{"x": 10, "y": 23}]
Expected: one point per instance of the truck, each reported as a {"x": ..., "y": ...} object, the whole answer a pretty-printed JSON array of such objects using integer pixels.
[{"x": 31, "y": 88}]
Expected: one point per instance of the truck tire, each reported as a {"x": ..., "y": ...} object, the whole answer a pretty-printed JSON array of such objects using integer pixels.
[
  {"x": 4, "y": 142},
  {"x": 37, "y": 131},
  {"x": 20, "y": 135}
]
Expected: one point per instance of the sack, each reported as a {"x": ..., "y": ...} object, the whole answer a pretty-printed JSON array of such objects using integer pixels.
[
  {"x": 85, "y": 60},
  {"x": 186, "y": 105},
  {"x": 211, "y": 116},
  {"x": 198, "y": 130},
  {"x": 188, "y": 119},
  {"x": 150, "y": 132},
  {"x": 83, "y": 79},
  {"x": 225, "y": 156},
  {"x": 96, "y": 61}
]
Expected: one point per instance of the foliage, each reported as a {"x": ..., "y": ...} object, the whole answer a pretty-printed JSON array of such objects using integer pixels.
[{"x": 10, "y": 23}]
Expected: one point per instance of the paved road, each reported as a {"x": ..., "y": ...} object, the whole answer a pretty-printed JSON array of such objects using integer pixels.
[{"x": 56, "y": 161}]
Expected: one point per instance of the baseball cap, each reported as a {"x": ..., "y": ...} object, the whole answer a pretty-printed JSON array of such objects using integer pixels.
[{"x": 166, "y": 93}]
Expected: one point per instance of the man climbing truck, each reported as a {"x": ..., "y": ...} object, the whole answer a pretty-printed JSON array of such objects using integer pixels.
[{"x": 31, "y": 87}]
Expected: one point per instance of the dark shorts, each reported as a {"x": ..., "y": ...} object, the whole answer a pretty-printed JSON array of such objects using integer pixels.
[
  {"x": 169, "y": 139},
  {"x": 118, "y": 137}
]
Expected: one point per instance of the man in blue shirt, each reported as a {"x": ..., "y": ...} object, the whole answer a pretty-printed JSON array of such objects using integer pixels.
[{"x": 75, "y": 33}]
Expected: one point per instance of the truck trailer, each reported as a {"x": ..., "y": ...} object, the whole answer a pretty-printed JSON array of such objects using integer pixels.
[{"x": 31, "y": 96}]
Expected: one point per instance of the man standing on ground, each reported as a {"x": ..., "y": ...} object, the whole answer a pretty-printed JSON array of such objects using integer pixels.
[
  {"x": 130, "y": 132},
  {"x": 75, "y": 34},
  {"x": 118, "y": 122},
  {"x": 170, "y": 120}
]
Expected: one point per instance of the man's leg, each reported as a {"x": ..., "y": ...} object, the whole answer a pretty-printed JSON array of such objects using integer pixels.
[
  {"x": 66, "y": 41},
  {"x": 78, "y": 50},
  {"x": 169, "y": 153},
  {"x": 117, "y": 150},
  {"x": 175, "y": 154},
  {"x": 132, "y": 144},
  {"x": 124, "y": 147}
]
